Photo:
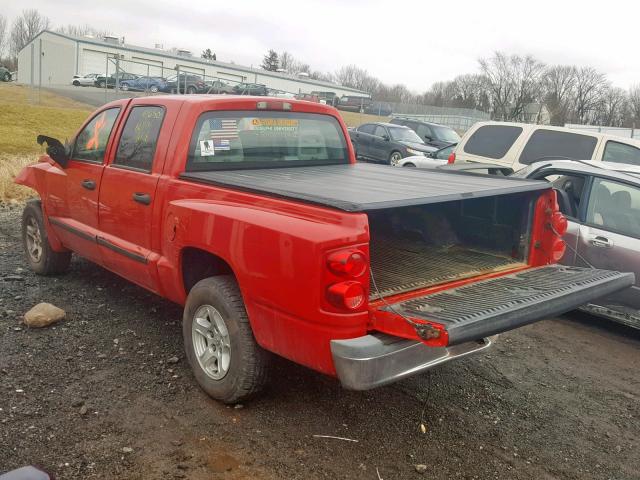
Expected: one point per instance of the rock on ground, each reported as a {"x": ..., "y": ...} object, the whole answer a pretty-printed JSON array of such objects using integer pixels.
[{"x": 43, "y": 315}]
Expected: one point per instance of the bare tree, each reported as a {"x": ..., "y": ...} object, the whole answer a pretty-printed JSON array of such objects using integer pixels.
[
  {"x": 612, "y": 107},
  {"x": 590, "y": 85},
  {"x": 634, "y": 105},
  {"x": 3, "y": 34},
  {"x": 83, "y": 31},
  {"x": 25, "y": 28},
  {"x": 559, "y": 83},
  {"x": 286, "y": 61}
]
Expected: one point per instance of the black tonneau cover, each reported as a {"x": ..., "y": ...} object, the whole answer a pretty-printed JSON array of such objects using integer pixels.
[{"x": 363, "y": 186}]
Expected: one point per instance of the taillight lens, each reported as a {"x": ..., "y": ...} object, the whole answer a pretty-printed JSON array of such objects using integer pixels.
[
  {"x": 349, "y": 295},
  {"x": 352, "y": 263},
  {"x": 452, "y": 158},
  {"x": 559, "y": 223},
  {"x": 557, "y": 249}
]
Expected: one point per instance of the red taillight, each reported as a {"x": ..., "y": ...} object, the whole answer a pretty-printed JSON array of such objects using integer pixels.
[
  {"x": 559, "y": 223},
  {"x": 352, "y": 263},
  {"x": 557, "y": 249},
  {"x": 349, "y": 295},
  {"x": 452, "y": 158}
]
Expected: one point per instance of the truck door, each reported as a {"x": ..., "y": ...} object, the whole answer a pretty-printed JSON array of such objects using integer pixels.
[
  {"x": 128, "y": 192},
  {"x": 71, "y": 201},
  {"x": 610, "y": 237}
]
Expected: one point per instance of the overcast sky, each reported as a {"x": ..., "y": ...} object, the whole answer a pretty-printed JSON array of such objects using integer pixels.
[{"x": 411, "y": 42}]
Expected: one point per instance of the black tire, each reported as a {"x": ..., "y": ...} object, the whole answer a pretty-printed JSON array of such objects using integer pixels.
[
  {"x": 154, "y": 89},
  {"x": 124, "y": 87},
  {"x": 47, "y": 262},
  {"x": 102, "y": 84},
  {"x": 394, "y": 155},
  {"x": 191, "y": 90},
  {"x": 248, "y": 367},
  {"x": 76, "y": 83},
  {"x": 409, "y": 165},
  {"x": 7, "y": 77}
]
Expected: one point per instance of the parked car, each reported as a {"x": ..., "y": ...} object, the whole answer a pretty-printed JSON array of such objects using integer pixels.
[
  {"x": 351, "y": 103},
  {"x": 185, "y": 83},
  {"x": 601, "y": 201},
  {"x": 517, "y": 145},
  {"x": 150, "y": 84},
  {"x": 432, "y": 159},
  {"x": 250, "y": 89},
  {"x": 87, "y": 80},
  {"x": 5, "y": 74},
  {"x": 365, "y": 272},
  {"x": 387, "y": 143},
  {"x": 279, "y": 93},
  {"x": 110, "y": 81},
  {"x": 219, "y": 87},
  {"x": 432, "y": 133},
  {"x": 308, "y": 97},
  {"x": 328, "y": 98},
  {"x": 379, "y": 108}
]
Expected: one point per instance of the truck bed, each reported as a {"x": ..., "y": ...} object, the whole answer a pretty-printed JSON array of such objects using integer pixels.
[
  {"x": 360, "y": 187},
  {"x": 400, "y": 266}
]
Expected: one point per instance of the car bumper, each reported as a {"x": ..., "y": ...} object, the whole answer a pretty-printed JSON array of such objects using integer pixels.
[{"x": 374, "y": 360}]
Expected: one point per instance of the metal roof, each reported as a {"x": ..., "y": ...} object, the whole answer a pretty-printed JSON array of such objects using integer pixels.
[{"x": 361, "y": 186}]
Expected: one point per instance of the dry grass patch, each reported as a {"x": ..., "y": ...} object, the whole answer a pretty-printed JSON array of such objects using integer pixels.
[
  {"x": 354, "y": 119},
  {"x": 10, "y": 165}
]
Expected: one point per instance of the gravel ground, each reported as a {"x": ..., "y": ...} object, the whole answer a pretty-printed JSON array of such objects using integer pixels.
[{"x": 107, "y": 393}]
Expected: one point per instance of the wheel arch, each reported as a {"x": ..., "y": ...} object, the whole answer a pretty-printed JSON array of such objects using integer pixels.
[{"x": 197, "y": 264}]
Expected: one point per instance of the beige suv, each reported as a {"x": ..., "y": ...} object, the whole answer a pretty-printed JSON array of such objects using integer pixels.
[{"x": 517, "y": 145}]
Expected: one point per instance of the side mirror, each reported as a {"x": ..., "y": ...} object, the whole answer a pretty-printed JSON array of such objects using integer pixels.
[
  {"x": 55, "y": 149},
  {"x": 432, "y": 155},
  {"x": 428, "y": 138},
  {"x": 386, "y": 138}
]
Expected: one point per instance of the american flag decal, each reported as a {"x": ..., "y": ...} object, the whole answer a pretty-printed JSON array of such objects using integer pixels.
[{"x": 223, "y": 129}]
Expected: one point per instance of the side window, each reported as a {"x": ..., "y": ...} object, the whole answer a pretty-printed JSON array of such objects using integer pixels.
[
  {"x": 137, "y": 145},
  {"x": 367, "y": 128},
  {"x": 621, "y": 153},
  {"x": 553, "y": 144},
  {"x": 380, "y": 131},
  {"x": 91, "y": 142},
  {"x": 423, "y": 131},
  {"x": 493, "y": 141},
  {"x": 615, "y": 206}
]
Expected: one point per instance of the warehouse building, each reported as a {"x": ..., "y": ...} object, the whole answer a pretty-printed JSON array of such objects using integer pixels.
[{"x": 52, "y": 58}]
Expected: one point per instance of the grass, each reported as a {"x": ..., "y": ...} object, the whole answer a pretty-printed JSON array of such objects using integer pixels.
[
  {"x": 353, "y": 119},
  {"x": 22, "y": 117}
]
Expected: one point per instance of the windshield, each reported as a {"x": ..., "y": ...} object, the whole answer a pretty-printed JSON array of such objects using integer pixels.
[
  {"x": 404, "y": 134},
  {"x": 446, "y": 134},
  {"x": 256, "y": 139}
]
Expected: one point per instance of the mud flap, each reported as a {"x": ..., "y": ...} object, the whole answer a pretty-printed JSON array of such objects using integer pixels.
[{"x": 487, "y": 307}]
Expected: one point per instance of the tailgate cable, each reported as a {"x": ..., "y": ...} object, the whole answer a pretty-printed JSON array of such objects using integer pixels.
[
  {"x": 570, "y": 247},
  {"x": 423, "y": 330}
]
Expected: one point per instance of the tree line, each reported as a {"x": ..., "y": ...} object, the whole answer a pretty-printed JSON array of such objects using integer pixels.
[{"x": 503, "y": 87}]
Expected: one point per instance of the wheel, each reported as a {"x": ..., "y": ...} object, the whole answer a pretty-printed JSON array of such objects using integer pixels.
[
  {"x": 191, "y": 90},
  {"x": 102, "y": 84},
  {"x": 226, "y": 360},
  {"x": 409, "y": 165},
  {"x": 76, "y": 83},
  {"x": 395, "y": 158},
  {"x": 154, "y": 89},
  {"x": 124, "y": 86},
  {"x": 40, "y": 257}
]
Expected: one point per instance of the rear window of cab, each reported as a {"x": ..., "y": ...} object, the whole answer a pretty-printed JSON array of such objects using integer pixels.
[{"x": 257, "y": 139}]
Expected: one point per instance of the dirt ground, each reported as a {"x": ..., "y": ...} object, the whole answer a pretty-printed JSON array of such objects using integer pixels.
[{"x": 99, "y": 396}]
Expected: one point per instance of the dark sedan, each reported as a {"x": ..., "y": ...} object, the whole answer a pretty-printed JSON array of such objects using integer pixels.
[
  {"x": 110, "y": 81},
  {"x": 250, "y": 89},
  {"x": 387, "y": 143},
  {"x": 150, "y": 84},
  {"x": 185, "y": 83}
]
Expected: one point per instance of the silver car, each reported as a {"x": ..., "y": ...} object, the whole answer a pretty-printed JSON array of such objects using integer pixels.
[{"x": 601, "y": 201}]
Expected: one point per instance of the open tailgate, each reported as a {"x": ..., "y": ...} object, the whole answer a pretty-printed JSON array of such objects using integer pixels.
[{"x": 487, "y": 307}]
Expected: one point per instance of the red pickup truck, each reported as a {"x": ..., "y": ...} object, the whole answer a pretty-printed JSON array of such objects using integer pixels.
[{"x": 253, "y": 214}]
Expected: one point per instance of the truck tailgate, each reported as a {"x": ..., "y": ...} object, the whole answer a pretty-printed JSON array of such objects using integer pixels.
[{"x": 487, "y": 307}]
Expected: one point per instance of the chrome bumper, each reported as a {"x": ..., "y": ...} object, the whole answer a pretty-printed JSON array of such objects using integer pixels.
[{"x": 374, "y": 360}]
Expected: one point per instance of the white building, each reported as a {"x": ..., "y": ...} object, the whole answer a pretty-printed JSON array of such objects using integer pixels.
[{"x": 53, "y": 58}]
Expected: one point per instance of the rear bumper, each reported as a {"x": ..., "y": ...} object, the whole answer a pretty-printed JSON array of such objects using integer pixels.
[{"x": 374, "y": 360}]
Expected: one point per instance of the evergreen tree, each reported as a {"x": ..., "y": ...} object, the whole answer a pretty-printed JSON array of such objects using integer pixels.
[{"x": 270, "y": 61}]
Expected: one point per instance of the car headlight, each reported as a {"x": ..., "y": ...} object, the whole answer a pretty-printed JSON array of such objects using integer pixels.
[{"x": 415, "y": 152}]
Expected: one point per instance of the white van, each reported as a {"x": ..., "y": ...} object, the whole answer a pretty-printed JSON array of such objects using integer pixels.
[{"x": 517, "y": 145}]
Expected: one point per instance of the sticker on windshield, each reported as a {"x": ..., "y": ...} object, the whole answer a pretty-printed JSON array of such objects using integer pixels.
[
  {"x": 207, "y": 148},
  {"x": 221, "y": 145},
  {"x": 271, "y": 124}
]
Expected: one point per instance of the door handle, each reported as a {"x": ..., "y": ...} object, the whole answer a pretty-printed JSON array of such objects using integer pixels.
[
  {"x": 600, "y": 241},
  {"x": 143, "y": 198},
  {"x": 88, "y": 184}
]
